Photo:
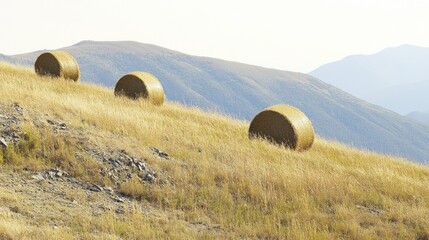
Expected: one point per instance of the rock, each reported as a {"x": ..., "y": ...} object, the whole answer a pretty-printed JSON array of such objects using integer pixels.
[
  {"x": 55, "y": 173},
  {"x": 104, "y": 207},
  {"x": 18, "y": 108},
  {"x": 57, "y": 125},
  {"x": 120, "y": 210},
  {"x": 38, "y": 177},
  {"x": 15, "y": 135},
  {"x": 3, "y": 142},
  {"x": 149, "y": 177},
  {"x": 159, "y": 153},
  {"x": 96, "y": 188},
  {"x": 129, "y": 175},
  {"x": 109, "y": 189},
  {"x": 118, "y": 199},
  {"x": 370, "y": 210},
  {"x": 51, "y": 174},
  {"x": 141, "y": 166}
]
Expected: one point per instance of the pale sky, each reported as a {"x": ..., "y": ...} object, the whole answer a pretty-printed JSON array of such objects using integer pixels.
[{"x": 295, "y": 35}]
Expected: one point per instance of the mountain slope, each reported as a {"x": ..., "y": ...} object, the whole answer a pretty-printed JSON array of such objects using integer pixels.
[
  {"x": 215, "y": 182},
  {"x": 422, "y": 117},
  {"x": 395, "y": 78},
  {"x": 242, "y": 90}
]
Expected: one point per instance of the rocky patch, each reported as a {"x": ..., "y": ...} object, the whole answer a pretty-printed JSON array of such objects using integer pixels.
[
  {"x": 161, "y": 154},
  {"x": 120, "y": 166},
  {"x": 58, "y": 186},
  {"x": 11, "y": 117}
]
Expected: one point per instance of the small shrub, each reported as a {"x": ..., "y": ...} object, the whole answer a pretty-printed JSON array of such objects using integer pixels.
[
  {"x": 10, "y": 156},
  {"x": 5, "y": 235},
  {"x": 41, "y": 148},
  {"x": 86, "y": 169},
  {"x": 133, "y": 188},
  {"x": 1, "y": 156},
  {"x": 30, "y": 141}
]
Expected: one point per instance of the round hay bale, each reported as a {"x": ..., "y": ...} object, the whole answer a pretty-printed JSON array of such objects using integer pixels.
[
  {"x": 141, "y": 85},
  {"x": 284, "y": 125},
  {"x": 57, "y": 64}
]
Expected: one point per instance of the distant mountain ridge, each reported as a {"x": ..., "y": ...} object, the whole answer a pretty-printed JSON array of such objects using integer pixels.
[
  {"x": 422, "y": 117},
  {"x": 395, "y": 78},
  {"x": 243, "y": 90}
]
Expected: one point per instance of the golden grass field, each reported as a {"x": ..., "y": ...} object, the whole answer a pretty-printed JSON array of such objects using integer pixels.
[{"x": 221, "y": 185}]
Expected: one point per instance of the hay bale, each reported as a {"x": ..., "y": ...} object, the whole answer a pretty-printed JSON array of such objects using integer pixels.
[
  {"x": 141, "y": 85},
  {"x": 284, "y": 125},
  {"x": 57, "y": 64}
]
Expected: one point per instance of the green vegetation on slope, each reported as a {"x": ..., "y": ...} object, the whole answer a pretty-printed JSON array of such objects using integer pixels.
[{"x": 235, "y": 187}]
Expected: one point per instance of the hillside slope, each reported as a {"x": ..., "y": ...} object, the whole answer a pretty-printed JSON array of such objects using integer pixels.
[
  {"x": 83, "y": 164},
  {"x": 422, "y": 117},
  {"x": 395, "y": 78},
  {"x": 242, "y": 90}
]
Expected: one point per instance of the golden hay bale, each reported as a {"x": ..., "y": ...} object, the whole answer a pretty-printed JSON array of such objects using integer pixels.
[
  {"x": 141, "y": 84},
  {"x": 57, "y": 64},
  {"x": 284, "y": 125}
]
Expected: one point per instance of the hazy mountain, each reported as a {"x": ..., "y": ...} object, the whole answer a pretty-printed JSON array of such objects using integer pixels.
[
  {"x": 395, "y": 78},
  {"x": 422, "y": 117},
  {"x": 243, "y": 90}
]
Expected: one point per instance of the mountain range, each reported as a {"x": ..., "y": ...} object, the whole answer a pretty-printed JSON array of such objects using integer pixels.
[
  {"x": 242, "y": 90},
  {"x": 395, "y": 78}
]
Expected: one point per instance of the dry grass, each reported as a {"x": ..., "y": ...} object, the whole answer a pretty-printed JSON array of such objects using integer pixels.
[{"x": 250, "y": 189}]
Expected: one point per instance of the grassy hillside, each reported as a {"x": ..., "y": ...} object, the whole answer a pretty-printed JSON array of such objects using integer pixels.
[
  {"x": 242, "y": 90},
  {"x": 215, "y": 183}
]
